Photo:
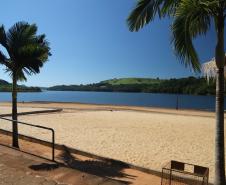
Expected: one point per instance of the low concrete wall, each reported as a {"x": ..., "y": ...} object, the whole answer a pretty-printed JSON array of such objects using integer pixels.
[{"x": 34, "y": 112}]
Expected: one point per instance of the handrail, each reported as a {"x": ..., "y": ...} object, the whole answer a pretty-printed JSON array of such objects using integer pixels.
[{"x": 38, "y": 126}]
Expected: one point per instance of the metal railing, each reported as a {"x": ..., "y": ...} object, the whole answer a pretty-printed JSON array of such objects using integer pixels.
[{"x": 38, "y": 126}]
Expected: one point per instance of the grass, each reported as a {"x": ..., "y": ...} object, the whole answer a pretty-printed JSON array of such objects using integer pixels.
[{"x": 127, "y": 81}]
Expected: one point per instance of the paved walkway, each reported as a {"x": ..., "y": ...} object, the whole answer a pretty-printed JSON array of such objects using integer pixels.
[
  {"x": 11, "y": 175},
  {"x": 18, "y": 168}
]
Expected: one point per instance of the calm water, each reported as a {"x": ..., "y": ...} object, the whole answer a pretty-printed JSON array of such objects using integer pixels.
[{"x": 135, "y": 99}]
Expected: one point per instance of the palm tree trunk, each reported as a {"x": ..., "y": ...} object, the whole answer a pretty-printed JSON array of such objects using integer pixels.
[
  {"x": 219, "y": 135},
  {"x": 14, "y": 112}
]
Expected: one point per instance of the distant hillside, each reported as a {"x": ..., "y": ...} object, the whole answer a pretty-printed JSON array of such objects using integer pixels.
[
  {"x": 6, "y": 87},
  {"x": 127, "y": 81},
  {"x": 3, "y": 82},
  {"x": 190, "y": 85}
]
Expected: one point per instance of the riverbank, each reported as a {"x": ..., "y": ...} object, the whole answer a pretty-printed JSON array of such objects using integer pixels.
[
  {"x": 101, "y": 107},
  {"x": 147, "y": 137}
]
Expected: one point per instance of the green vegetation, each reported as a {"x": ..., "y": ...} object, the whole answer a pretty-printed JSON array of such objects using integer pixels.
[
  {"x": 190, "y": 85},
  {"x": 126, "y": 81},
  {"x": 26, "y": 54},
  {"x": 7, "y": 87}
]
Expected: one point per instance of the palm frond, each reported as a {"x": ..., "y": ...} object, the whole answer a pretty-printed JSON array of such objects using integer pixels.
[
  {"x": 169, "y": 7},
  {"x": 27, "y": 50},
  {"x": 33, "y": 56},
  {"x": 143, "y": 13},
  {"x": 192, "y": 19},
  {"x": 5, "y": 61},
  {"x": 3, "y": 36},
  {"x": 15, "y": 33},
  {"x": 19, "y": 35},
  {"x": 146, "y": 10},
  {"x": 20, "y": 75},
  {"x": 3, "y": 58},
  {"x": 42, "y": 41}
]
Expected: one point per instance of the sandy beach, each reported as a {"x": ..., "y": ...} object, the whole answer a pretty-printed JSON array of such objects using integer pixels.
[{"x": 146, "y": 137}]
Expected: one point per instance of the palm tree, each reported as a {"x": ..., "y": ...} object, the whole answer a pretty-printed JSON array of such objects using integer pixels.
[
  {"x": 191, "y": 18},
  {"x": 27, "y": 52}
]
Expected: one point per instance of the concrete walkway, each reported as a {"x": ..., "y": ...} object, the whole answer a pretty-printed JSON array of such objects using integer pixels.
[
  {"x": 11, "y": 174},
  {"x": 18, "y": 168}
]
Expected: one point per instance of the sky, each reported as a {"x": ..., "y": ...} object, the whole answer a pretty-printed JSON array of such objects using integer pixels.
[{"x": 90, "y": 42}]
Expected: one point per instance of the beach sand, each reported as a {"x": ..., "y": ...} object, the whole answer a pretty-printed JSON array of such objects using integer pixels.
[{"x": 145, "y": 137}]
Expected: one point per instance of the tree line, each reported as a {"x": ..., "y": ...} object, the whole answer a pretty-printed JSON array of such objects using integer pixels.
[{"x": 190, "y": 85}]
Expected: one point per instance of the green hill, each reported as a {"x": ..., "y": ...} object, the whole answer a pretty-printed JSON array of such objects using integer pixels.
[
  {"x": 6, "y": 87},
  {"x": 189, "y": 85},
  {"x": 127, "y": 81}
]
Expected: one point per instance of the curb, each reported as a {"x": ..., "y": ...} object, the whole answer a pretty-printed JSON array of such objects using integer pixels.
[{"x": 33, "y": 112}]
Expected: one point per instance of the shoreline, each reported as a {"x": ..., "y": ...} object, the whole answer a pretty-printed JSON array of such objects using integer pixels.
[{"x": 77, "y": 106}]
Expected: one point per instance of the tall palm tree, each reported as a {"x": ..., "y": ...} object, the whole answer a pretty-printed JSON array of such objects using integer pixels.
[
  {"x": 191, "y": 18},
  {"x": 26, "y": 53}
]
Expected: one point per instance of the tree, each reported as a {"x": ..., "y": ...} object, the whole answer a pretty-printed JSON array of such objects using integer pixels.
[
  {"x": 27, "y": 53},
  {"x": 192, "y": 18}
]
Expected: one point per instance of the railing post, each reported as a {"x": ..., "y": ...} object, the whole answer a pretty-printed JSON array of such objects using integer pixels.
[{"x": 53, "y": 145}]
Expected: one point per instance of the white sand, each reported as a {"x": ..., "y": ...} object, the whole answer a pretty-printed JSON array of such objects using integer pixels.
[{"x": 144, "y": 139}]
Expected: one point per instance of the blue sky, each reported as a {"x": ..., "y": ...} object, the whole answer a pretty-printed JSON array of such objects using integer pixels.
[{"x": 90, "y": 41}]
